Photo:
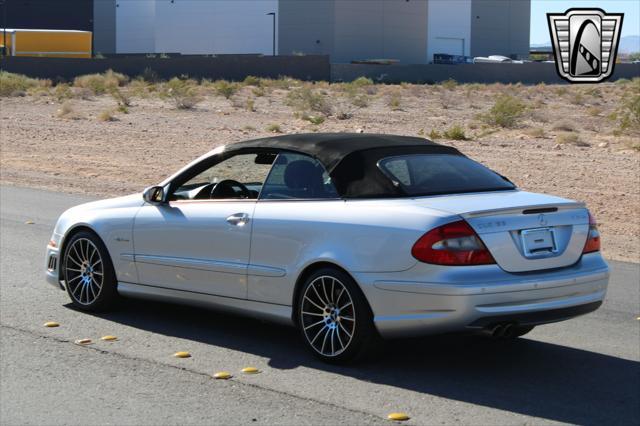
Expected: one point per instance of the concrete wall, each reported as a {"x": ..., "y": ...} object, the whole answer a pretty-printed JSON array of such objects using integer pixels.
[
  {"x": 449, "y": 27},
  {"x": 135, "y": 26},
  {"x": 104, "y": 26},
  {"x": 218, "y": 27},
  {"x": 229, "y": 67},
  {"x": 305, "y": 26},
  {"x": 528, "y": 73},
  {"x": 392, "y": 29},
  {"x": 500, "y": 27}
]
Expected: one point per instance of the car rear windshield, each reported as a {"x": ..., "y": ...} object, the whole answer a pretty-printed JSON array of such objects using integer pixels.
[{"x": 432, "y": 174}]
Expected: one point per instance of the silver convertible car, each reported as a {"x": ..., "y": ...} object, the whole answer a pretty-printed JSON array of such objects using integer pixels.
[{"x": 348, "y": 237}]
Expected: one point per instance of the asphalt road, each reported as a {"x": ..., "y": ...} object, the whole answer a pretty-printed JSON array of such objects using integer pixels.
[{"x": 584, "y": 371}]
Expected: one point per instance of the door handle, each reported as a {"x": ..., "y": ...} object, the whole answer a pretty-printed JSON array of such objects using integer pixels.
[{"x": 238, "y": 219}]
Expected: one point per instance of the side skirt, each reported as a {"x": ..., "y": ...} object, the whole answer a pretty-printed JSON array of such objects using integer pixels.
[{"x": 270, "y": 312}]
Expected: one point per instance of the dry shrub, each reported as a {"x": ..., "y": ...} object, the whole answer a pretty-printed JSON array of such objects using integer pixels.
[
  {"x": 395, "y": 101},
  {"x": 17, "y": 84},
  {"x": 183, "y": 93},
  {"x": 535, "y": 132},
  {"x": 101, "y": 83},
  {"x": 570, "y": 138},
  {"x": 68, "y": 112},
  {"x": 564, "y": 125},
  {"x": 456, "y": 133},
  {"x": 107, "y": 115},
  {"x": 225, "y": 88},
  {"x": 274, "y": 128},
  {"x": 505, "y": 112},
  {"x": 305, "y": 101}
]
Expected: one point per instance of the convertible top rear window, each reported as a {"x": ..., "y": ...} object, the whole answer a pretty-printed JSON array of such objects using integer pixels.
[{"x": 431, "y": 174}]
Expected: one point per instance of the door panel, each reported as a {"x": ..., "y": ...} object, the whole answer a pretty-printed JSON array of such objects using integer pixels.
[{"x": 190, "y": 245}]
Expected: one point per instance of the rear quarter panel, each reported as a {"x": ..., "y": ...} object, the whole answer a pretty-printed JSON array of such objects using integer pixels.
[{"x": 359, "y": 236}]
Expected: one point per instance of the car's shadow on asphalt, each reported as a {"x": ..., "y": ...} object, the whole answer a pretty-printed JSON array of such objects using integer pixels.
[{"x": 524, "y": 376}]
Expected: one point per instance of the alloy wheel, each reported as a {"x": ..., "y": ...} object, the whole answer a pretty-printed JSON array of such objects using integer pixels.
[
  {"x": 84, "y": 272},
  {"x": 328, "y": 316}
]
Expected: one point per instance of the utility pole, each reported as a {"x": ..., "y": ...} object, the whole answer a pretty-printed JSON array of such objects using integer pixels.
[{"x": 274, "y": 31}]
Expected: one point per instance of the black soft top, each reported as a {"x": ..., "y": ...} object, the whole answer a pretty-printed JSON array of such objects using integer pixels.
[{"x": 351, "y": 158}]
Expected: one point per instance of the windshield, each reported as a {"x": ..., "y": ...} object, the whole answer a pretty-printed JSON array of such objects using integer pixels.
[{"x": 432, "y": 174}]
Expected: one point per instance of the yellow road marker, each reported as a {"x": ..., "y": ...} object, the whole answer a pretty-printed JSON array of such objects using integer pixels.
[
  {"x": 398, "y": 416},
  {"x": 182, "y": 354},
  {"x": 83, "y": 341},
  {"x": 51, "y": 324},
  {"x": 222, "y": 375},
  {"x": 109, "y": 338},
  {"x": 250, "y": 370}
]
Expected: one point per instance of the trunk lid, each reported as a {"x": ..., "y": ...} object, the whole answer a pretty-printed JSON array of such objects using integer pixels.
[{"x": 524, "y": 231}]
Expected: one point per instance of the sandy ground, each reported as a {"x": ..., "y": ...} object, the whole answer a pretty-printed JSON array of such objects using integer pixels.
[{"x": 86, "y": 155}]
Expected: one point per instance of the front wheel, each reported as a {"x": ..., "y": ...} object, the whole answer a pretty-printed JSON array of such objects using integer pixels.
[
  {"x": 334, "y": 316},
  {"x": 88, "y": 273}
]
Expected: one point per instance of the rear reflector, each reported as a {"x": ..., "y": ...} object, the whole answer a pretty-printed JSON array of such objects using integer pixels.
[
  {"x": 593, "y": 239},
  {"x": 454, "y": 244}
]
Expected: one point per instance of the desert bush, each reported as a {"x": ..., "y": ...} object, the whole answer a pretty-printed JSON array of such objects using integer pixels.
[
  {"x": 251, "y": 80},
  {"x": 62, "y": 92},
  {"x": 107, "y": 115},
  {"x": 571, "y": 139},
  {"x": 314, "y": 119},
  {"x": 101, "y": 83},
  {"x": 150, "y": 76},
  {"x": 594, "y": 111},
  {"x": 225, "y": 88},
  {"x": 564, "y": 125},
  {"x": 434, "y": 134},
  {"x": 628, "y": 112},
  {"x": 183, "y": 93},
  {"x": 576, "y": 98},
  {"x": 250, "y": 105},
  {"x": 17, "y": 84},
  {"x": 456, "y": 133},
  {"x": 304, "y": 100},
  {"x": 535, "y": 132},
  {"x": 505, "y": 111},
  {"x": 274, "y": 128},
  {"x": 258, "y": 91},
  {"x": 449, "y": 84},
  {"x": 121, "y": 98},
  {"x": 67, "y": 111},
  {"x": 395, "y": 100}
]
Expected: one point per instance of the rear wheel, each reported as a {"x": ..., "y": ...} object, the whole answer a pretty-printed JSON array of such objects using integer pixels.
[
  {"x": 334, "y": 316},
  {"x": 88, "y": 273}
]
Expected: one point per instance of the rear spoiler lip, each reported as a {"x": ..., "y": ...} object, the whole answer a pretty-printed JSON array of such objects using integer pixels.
[{"x": 519, "y": 209}]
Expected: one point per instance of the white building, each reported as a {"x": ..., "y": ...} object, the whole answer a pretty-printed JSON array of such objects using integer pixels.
[{"x": 410, "y": 31}]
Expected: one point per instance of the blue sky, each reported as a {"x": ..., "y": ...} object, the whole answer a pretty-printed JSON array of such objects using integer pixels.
[{"x": 539, "y": 9}]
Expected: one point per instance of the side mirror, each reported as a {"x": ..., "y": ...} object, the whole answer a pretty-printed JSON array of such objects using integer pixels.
[{"x": 154, "y": 195}]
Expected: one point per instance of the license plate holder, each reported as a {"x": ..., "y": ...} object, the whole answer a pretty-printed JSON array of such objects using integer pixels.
[{"x": 538, "y": 242}]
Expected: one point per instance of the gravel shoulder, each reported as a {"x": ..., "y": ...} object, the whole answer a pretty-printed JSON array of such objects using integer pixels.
[{"x": 88, "y": 156}]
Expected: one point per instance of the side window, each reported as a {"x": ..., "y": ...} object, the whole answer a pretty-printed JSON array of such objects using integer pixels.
[
  {"x": 297, "y": 176},
  {"x": 237, "y": 177}
]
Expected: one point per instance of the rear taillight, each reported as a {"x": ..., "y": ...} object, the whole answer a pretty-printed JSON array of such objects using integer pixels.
[
  {"x": 455, "y": 243},
  {"x": 593, "y": 239}
]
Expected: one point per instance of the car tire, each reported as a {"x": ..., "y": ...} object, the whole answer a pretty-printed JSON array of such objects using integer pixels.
[
  {"x": 88, "y": 273},
  {"x": 334, "y": 317}
]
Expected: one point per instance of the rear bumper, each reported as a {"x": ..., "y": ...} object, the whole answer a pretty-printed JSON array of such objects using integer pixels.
[{"x": 475, "y": 298}]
